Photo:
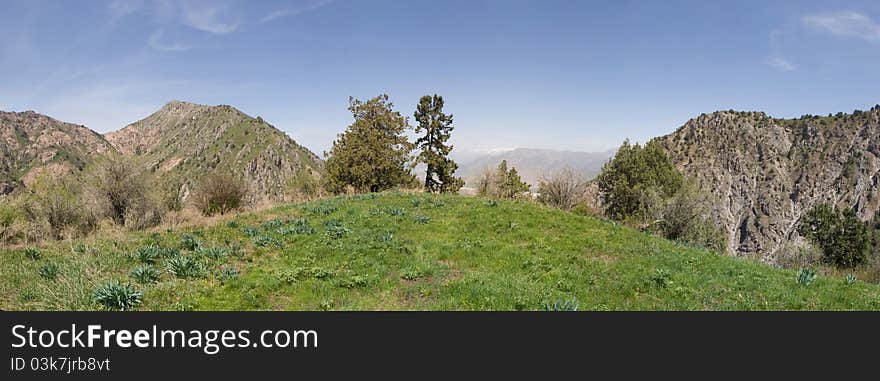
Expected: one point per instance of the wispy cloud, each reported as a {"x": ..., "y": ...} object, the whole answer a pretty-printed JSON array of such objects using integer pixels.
[
  {"x": 288, "y": 12},
  {"x": 122, "y": 8},
  {"x": 780, "y": 64},
  {"x": 208, "y": 17},
  {"x": 156, "y": 42},
  {"x": 845, "y": 23}
]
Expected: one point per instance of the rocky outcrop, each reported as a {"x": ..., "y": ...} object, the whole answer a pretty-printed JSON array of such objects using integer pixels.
[
  {"x": 32, "y": 144},
  {"x": 766, "y": 173}
]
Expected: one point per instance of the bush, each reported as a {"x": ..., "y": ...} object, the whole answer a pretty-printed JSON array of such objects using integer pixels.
[
  {"x": 219, "y": 193},
  {"x": 686, "y": 218},
  {"x": 305, "y": 185},
  {"x": 635, "y": 179},
  {"x": 841, "y": 236},
  {"x": 121, "y": 188},
  {"x": 563, "y": 189},
  {"x": 54, "y": 208},
  {"x": 117, "y": 297}
]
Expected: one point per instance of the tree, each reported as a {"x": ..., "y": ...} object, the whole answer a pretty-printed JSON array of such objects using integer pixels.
[
  {"x": 510, "y": 185},
  {"x": 371, "y": 155},
  {"x": 436, "y": 128},
  {"x": 121, "y": 185},
  {"x": 842, "y": 237},
  {"x": 637, "y": 180}
]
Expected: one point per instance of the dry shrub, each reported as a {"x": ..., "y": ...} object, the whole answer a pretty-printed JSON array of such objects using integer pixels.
[
  {"x": 219, "y": 192},
  {"x": 305, "y": 186},
  {"x": 53, "y": 210},
  {"x": 120, "y": 190},
  {"x": 563, "y": 189}
]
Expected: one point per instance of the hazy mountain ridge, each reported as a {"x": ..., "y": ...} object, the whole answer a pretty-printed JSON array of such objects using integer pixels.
[
  {"x": 767, "y": 173},
  {"x": 533, "y": 163}
]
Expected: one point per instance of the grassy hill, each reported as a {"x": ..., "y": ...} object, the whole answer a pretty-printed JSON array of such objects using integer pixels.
[{"x": 400, "y": 251}]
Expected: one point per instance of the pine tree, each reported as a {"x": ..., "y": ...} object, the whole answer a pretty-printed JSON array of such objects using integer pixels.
[
  {"x": 436, "y": 128},
  {"x": 372, "y": 154},
  {"x": 510, "y": 184}
]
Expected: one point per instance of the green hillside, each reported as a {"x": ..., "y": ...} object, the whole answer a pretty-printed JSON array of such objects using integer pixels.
[{"x": 403, "y": 251}]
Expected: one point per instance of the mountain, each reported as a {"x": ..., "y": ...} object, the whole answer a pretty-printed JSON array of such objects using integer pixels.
[
  {"x": 184, "y": 141},
  {"x": 533, "y": 163},
  {"x": 767, "y": 173},
  {"x": 33, "y": 144}
]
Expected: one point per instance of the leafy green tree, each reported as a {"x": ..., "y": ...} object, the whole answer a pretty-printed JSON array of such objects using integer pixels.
[
  {"x": 636, "y": 182},
  {"x": 372, "y": 154},
  {"x": 842, "y": 237},
  {"x": 510, "y": 184},
  {"x": 436, "y": 128}
]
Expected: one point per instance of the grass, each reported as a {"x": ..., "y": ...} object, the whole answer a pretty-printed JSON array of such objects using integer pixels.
[{"x": 401, "y": 251}]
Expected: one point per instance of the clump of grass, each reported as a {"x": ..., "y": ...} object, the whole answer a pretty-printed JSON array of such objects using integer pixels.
[
  {"x": 413, "y": 273},
  {"x": 183, "y": 266},
  {"x": 353, "y": 282},
  {"x": 422, "y": 220},
  {"x": 266, "y": 240},
  {"x": 851, "y": 279},
  {"x": 297, "y": 226},
  {"x": 189, "y": 242},
  {"x": 301, "y": 272},
  {"x": 115, "y": 296},
  {"x": 397, "y": 212},
  {"x": 214, "y": 252},
  {"x": 250, "y": 231},
  {"x": 232, "y": 224},
  {"x": 806, "y": 276},
  {"x": 335, "y": 230},
  {"x": 148, "y": 254},
  {"x": 145, "y": 274},
  {"x": 322, "y": 209},
  {"x": 491, "y": 203},
  {"x": 562, "y": 306},
  {"x": 49, "y": 271},
  {"x": 272, "y": 224},
  {"x": 227, "y": 273},
  {"x": 661, "y": 278},
  {"x": 32, "y": 253},
  {"x": 79, "y": 248}
]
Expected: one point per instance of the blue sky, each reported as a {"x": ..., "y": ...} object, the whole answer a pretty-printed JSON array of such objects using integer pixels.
[{"x": 574, "y": 75}]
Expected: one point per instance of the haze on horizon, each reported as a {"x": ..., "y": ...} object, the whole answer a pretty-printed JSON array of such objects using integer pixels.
[{"x": 568, "y": 75}]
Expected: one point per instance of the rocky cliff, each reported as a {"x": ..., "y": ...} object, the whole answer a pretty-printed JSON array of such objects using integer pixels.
[{"x": 766, "y": 172}]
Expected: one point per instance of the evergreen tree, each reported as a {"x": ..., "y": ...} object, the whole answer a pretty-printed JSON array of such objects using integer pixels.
[
  {"x": 637, "y": 180},
  {"x": 436, "y": 128},
  {"x": 372, "y": 154},
  {"x": 843, "y": 238},
  {"x": 510, "y": 184}
]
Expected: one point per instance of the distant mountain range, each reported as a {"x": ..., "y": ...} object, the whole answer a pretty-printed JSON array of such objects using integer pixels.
[
  {"x": 181, "y": 142},
  {"x": 533, "y": 163}
]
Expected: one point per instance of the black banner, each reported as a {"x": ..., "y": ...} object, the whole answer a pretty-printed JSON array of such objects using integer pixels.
[{"x": 413, "y": 345}]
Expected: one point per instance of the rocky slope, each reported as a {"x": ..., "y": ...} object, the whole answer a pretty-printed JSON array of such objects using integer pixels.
[
  {"x": 768, "y": 172},
  {"x": 32, "y": 144},
  {"x": 184, "y": 141}
]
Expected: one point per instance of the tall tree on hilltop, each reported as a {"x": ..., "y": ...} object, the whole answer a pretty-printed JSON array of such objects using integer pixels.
[
  {"x": 372, "y": 154},
  {"x": 436, "y": 128}
]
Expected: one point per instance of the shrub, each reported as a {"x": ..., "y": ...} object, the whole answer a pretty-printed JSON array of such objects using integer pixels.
[
  {"x": 634, "y": 178},
  {"x": 54, "y": 208},
  {"x": 183, "y": 266},
  {"x": 219, "y": 193},
  {"x": 145, "y": 274},
  {"x": 120, "y": 187},
  {"x": 806, "y": 276},
  {"x": 841, "y": 236},
  {"x": 686, "y": 218},
  {"x": 117, "y": 297},
  {"x": 49, "y": 271},
  {"x": 563, "y": 189},
  {"x": 305, "y": 185}
]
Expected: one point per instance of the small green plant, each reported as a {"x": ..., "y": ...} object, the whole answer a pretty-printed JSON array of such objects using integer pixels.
[
  {"x": 49, "y": 271},
  {"x": 227, "y": 273},
  {"x": 189, "y": 242},
  {"x": 215, "y": 252},
  {"x": 353, "y": 282},
  {"x": 662, "y": 278},
  {"x": 183, "y": 266},
  {"x": 422, "y": 219},
  {"x": 148, "y": 254},
  {"x": 491, "y": 203},
  {"x": 145, "y": 274},
  {"x": 322, "y": 209},
  {"x": 562, "y": 306},
  {"x": 272, "y": 224},
  {"x": 851, "y": 279},
  {"x": 412, "y": 273},
  {"x": 266, "y": 240},
  {"x": 32, "y": 253},
  {"x": 397, "y": 212},
  {"x": 79, "y": 248},
  {"x": 335, "y": 230},
  {"x": 115, "y": 296},
  {"x": 232, "y": 224},
  {"x": 806, "y": 276},
  {"x": 250, "y": 231}
]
